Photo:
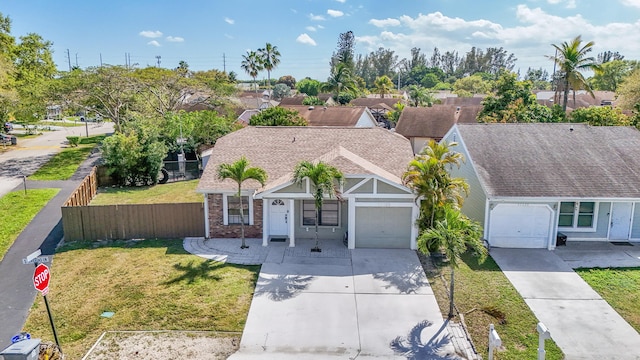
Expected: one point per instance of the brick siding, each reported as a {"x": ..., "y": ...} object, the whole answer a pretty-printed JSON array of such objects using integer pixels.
[{"x": 216, "y": 221}]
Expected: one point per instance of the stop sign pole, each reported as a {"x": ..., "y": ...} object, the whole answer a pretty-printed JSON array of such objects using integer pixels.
[{"x": 41, "y": 277}]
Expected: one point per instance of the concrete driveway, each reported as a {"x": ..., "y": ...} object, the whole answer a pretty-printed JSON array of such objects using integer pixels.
[
  {"x": 582, "y": 324},
  {"x": 350, "y": 304}
]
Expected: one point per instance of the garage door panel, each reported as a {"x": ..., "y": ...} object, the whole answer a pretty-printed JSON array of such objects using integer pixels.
[
  {"x": 520, "y": 226},
  {"x": 383, "y": 227}
]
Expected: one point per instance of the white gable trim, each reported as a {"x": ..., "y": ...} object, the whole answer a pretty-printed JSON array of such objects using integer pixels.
[{"x": 457, "y": 137}]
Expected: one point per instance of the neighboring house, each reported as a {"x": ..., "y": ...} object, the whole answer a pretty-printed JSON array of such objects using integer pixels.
[
  {"x": 582, "y": 99},
  {"x": 476, "y": 100},
  {"x": 375, "y": 209},
  {"x": 421, "y": 124},
  {"x": 246, "y": 116},
  {"x": 528, "y": 182},
  {"x": 379, "y": 108},
  {"x": 327, "y": 99},
  {"x": 54, "y": 112},
  {"x": 351, "y": 116}
]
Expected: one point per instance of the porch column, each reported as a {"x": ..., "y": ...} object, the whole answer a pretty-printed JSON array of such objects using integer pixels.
[
  {"x": 351, "y": 223},
  {"x": 265, "y": 222},
  {"x": 415, "y": 213},
  {"x": 291, "y": 222},
  {"x": 207, "y": 227}
]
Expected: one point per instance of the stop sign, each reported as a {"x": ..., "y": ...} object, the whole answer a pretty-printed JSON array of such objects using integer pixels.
[{"x": 41, "y": 278}]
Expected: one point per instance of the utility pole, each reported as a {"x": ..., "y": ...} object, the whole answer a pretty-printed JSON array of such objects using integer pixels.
[
  {"x": 100, "y": 59},
  {"x": 69, "y": 58},
  {"x": 224, "y": 63},
  {"x": 158, "y": 58},
  {"x": 76, "y": 59},
  {"x": 125, "y": 61}
]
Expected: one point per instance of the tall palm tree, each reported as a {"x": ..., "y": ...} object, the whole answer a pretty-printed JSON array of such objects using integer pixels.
[
  {"x": 252, "y": 65},
  {"x": 339, "y": 80},
  {"x": 383, "y": 85},
  {"x": 270, "y": 57},
  {"x": 455, "y": 233},
  {"x": 239, "y": 172},
  {"x": 571, "y": 57},
  {"x": 430, "y": 181},
  {"x": 325, "y": 180}
]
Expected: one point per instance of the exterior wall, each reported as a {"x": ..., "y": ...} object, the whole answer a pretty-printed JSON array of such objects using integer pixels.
[
  {"x": 635, "y": 226},
  {"x": 384, "y": 188},
  {"x": 324, "y": 232},
  {"x": 602, "y": 226},
  {"x": 350, "y": 182},
  {"x": 418, "y": 143},
  {"x": 474, "y": 204},
  {"x": 219, "y": 230},
  {"x": 366, "y": 188},
  {"x": 293, "y": 188},
  {"x": 366, "y": 120}
]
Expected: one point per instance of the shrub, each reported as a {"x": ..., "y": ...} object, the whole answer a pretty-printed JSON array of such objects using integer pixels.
[{"x": 73, "y": 140}]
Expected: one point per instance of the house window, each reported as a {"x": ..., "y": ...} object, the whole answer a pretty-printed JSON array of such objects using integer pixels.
[
  {"x": 233, "y": 210},
  {"x": 328, "y": 215},
  {"x": 578, "y": 215}
]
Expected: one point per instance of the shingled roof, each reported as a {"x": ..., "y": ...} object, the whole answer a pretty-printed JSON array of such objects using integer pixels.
[
  {"x": 279, "y": 149},
  {"x": 434, "y": 122},
  {"x": 330, "y": 116},
  {"x": 555, "y": 160},
  {"x": 376, "y": 102}
]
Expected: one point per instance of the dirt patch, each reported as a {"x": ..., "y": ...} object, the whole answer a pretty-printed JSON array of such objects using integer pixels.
[{"x": 164, "y": 345}]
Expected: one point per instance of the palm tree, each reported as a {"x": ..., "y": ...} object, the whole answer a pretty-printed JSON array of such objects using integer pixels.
[
  {"x": 571, "y": 57},
  {"x": 339, "y": 80},
  {"x": 455, "y": 233},
  {"x": 383, "y": 85},
  {"x": 325, "y": 179},
  {"x": 420, "y": 96},
  {"x": 430, "y": 181},
  {"x": 270, "y": 58},
  {"x": 239, "y": 172},
  {"x": 252, "y": 65}
]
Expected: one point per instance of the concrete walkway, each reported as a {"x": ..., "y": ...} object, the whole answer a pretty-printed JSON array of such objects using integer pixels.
[
  {"x": 582, "y": 324},
  {"x": 339, "y": 303}
]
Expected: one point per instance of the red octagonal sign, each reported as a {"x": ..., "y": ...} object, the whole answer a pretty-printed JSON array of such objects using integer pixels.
[{"x": 41, "y": 278}]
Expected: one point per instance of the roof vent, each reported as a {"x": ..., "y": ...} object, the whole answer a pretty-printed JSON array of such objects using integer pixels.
[{"x": 311, "y": 107}]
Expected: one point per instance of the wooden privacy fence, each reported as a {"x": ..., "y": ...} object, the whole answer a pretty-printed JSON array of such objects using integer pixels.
[
  {"x": 85, "y": 192},
  {"x": 108, "y": 222}
]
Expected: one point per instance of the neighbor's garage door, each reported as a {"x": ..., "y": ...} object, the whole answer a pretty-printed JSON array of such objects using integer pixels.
[
  {"x": 383, "y": 227},
  {"x": 520, "y": 226}
]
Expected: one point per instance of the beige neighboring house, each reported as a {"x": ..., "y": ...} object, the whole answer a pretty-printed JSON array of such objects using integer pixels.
[
  {"x": 375, "y": 209},
  {"x": 327, "y": 99},
  {"x": 352, "y": 116},
  {"x": 421, "y": 124}
]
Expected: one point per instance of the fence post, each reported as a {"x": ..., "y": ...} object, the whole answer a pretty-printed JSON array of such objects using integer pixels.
[
  {"x": 494, "y": 340},
  {"x": 543, "y": 334}
]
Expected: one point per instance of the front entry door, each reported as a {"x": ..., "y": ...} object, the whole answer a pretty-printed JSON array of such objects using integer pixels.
[
  {"x": 620, "y": 221},
  {"x": 278, "y": 218}
]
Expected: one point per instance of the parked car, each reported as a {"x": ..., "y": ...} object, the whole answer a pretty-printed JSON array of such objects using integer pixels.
[
  {"x": 8, "y": 139},
  {"x": 8, "y": 127}
]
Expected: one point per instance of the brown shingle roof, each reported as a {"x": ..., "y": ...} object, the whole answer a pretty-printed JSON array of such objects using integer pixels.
[
  {"x": 551, "y": 160},
  {"x": 463, "y": 101},
  {"x": 375, "y": 102},
  {"x": 329, "y": 116},
  {"x": 434, "y": 122},
  {"x": 279, "y": 149}
]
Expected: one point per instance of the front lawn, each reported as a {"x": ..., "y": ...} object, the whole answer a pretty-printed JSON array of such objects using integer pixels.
[
  {"x": 62, "y": 165},
  {"x": 17, "y": 210},
  {"x": 620, "y": 287},
  {"x": 176, "y": 192},
  {"x": 148, "y": 285},
  {"x": 485, "y": 296}
]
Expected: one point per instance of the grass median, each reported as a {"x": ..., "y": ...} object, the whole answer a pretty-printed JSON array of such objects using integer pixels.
[
  {"x": 485, "y": 296},
  {"x": 63, "y": 165},
  {"x": 17, "y": 209},
  {"x": 148, "y": 285},
  {"x": 177, "y": 192}
]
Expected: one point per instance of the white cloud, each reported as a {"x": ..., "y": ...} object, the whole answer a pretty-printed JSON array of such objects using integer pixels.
[
  {"x": 228, "y": 36},
  {"x": 175, "y": 39},
  {"x": 305, "y": 39},
  {"x": 150, "y": 34},
  {"x": 335, "y": 13},
  {"x": 229, "y": 21},
  {"x": 384, "y": 22},
  {"x": 311, "y": 28},
  {"x": 320, "y": 27},
  {"x": 571, "y": 4},
  {"x": 632, "y": 3},
  {"x": 341, "y": 1},
  {"x": 316, "y": 17},
  {"x": 154, "y": 43}
]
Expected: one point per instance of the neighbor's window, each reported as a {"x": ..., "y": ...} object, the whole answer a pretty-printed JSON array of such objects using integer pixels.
[
  {"x": 329, "y": 214},
  {"x": 233, "y": 209},
  {"x": 579, "y": 215}
]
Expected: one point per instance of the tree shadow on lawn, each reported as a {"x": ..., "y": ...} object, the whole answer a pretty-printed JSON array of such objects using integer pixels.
[
  {"x": 193, "y": 271},
  {"x": 282, "y": 287},
  {"x": 174, "y": 246}
]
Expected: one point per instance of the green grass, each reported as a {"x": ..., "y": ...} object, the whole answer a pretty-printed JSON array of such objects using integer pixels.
[
  {"x": 149, "y": 285},
  {"x": 485, "y": 296},
  {"x": 620, "y": 288},
  {"x": 17, "y": 210},
  {"x": 63, "y": 165},
  {"x": 95, "y": 139},
  {"x": 45, "y": 123},
  {"x": 177, "y": 192}
]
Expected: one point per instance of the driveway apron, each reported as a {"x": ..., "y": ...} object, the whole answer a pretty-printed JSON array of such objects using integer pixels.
[
  {"x": 582, "y": 324},
  {"x": 354, "y": 304}
]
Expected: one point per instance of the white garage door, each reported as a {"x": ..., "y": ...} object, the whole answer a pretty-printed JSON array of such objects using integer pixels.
[
  {"x": 383, "y": 227},
  {"x": 520, "y": 226}
]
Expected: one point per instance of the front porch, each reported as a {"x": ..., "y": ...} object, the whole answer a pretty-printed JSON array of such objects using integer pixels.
[{"x": 590, "y": 254}]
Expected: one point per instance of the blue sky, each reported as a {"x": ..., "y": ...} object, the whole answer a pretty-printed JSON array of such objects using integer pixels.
[{"x": 212, "y": 34}]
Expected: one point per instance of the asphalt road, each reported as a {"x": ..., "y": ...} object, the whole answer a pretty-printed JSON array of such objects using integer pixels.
[{"x": 17, "y": 293}]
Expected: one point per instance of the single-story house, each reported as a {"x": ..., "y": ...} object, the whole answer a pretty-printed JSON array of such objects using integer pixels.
[
  {"x": 421, "y": 124},
  {"x": 530, "y": 182},
  {"x": 355, "y": 116},
  {"x": 375, "y": 209}
]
